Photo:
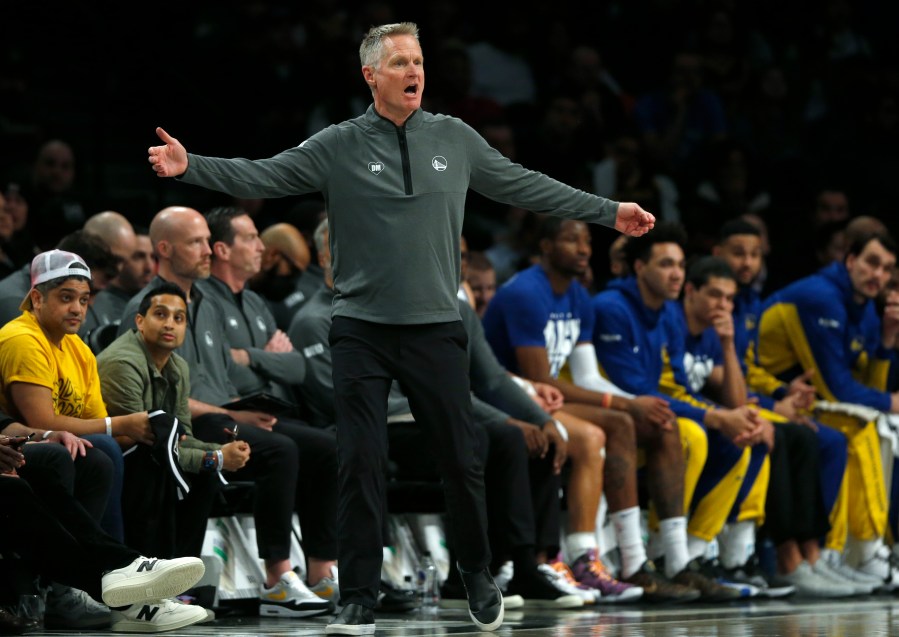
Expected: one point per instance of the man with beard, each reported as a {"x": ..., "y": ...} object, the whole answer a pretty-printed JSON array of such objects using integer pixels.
[
  {"x": 287, "y": 278},
  {"x": 826, "y": 325}
]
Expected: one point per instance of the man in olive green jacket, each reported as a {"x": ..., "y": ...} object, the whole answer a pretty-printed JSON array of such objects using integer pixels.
[{"x": 140, "y": 371}]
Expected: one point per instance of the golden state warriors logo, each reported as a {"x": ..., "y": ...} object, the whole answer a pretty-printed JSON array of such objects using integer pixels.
[
  {"x": 857, "y": 344},
  {"x": 439, "y": 163},
  {"x": 375, "y": 167}
]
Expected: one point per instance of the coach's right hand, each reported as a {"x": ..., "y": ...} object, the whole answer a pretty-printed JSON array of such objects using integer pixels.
[{"x": 169, "y": 160}]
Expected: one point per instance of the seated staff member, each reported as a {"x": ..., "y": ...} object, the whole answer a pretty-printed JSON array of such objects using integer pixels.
[{"x": 141, "y": 371}]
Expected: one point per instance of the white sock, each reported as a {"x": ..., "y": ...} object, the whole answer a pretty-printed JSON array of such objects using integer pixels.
[
  {"x": 737, "y": 543},
  {"x": 579, "y": 543},
  {"x": 655, "y": 547},
  {"x": 630, "y": 540},
  {"x": 696, "y": 547},
  {"x": 674, "y": 541}
]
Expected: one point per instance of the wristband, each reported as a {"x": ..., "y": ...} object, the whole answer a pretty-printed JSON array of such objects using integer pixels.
[
  {"x": 46, "y": 434},
  {"x": 606, "y": 400},
  {"x": 561, "y": 429},
  {"x": 220, "y": 460},
  {"x": 210, "y": 459},
  {"x": 108, "y": 426}
]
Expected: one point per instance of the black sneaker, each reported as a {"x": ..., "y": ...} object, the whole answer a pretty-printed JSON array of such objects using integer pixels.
[
  {"x": 751, "y": 573},
  {"x": 354, "y": 619},
  {"x": 703, "y": 576},
  {"x": 485, "y": 601},
  {"x": 453, "y": 596},
  {"x": 539, "y": 592},
  {"x": 395, "y": 600}
]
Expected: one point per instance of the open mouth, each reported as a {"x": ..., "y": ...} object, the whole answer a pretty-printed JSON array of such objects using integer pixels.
[{"x": 412, "y": 89}]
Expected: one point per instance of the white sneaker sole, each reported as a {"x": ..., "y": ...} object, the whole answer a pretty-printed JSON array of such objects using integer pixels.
[
  {"x": 135, "y": 626},
  {"x": 496, "y": 623},
  {"x": 559, "y": 603},
  {"x": 276, "y": 610},
  {"x": 345, "y": 629},
  {"x": 152, "y": 585},
  {"x": 774, "y": 592},
  {"x": 630, "y": 595},
  {"x": 509, "y": 602}
]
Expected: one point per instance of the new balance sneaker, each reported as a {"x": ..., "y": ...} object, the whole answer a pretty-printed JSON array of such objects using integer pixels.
[
  {"x": 210, "y": 614},
  {"x": 485, "y": 600},
  {"x": 148, "y": 578},
  {"x": 700, "y": 575},
  {"x": 328, "y": 588},
  {"x": 352, "y": 620},
  {"x": 810, "y": 584},
  {"x": 822, "y": 568},
  {"x": 589, "y": 570},
  {"x": 657, "y": 589},
  {"x": 156, "y": 617},
  {"x": 751, "y": 573},
  {"x": 69, "y": 607},
  {"x": 539, "y": 590},
  {"x": 559, "y": 576},
  {"x": 290, "y": 598}
]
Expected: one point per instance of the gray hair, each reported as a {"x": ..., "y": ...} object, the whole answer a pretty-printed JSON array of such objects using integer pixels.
[
  {"x": 319, "y": 236},
  {"x": 371, "y": 49}
]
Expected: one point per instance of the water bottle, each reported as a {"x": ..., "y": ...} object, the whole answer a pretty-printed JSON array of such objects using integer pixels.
[{"x": 428, "y": 583}]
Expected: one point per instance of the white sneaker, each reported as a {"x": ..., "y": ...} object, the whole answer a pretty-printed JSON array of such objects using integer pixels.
[
  {"x": 69, "y": 607},
  {"x": 560, "y": 576},
  {"x": 882, "y": 565},
  {"x": 148, "y": 578},
  {"x": 290, "y": 598},
  {"x": 157, "y": 616},
  {"x": 328, "y": 588},
  {"x": 504, "y": 575},
  {"x": 810, "y": 584},
  {"x": 838, "y": 565},
  {"x": 822, "y": 568}
]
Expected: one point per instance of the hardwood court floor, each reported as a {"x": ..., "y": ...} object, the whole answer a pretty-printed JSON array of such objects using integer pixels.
[{"x": 868, "y": 617}]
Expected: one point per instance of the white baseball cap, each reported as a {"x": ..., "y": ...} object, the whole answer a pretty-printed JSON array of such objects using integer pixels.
[{"x": 52, "y": 265}]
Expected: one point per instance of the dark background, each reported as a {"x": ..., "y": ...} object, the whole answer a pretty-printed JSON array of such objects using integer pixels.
[{"x": 242, "y": 78}]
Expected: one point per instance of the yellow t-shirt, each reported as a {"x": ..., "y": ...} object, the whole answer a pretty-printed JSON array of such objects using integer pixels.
[{"x": 69, "y": 371}]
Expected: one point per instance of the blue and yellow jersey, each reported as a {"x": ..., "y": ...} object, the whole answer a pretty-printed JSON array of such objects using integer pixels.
[
  {"x": 632, "y": 345},
  {"x": 814, "y": 323},
  {"x": 762, "y": 384},
  {"x": 682, "y": 355}
]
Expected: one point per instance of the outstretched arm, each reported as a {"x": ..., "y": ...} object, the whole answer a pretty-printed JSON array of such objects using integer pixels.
[{"x": 169, "y": 160}]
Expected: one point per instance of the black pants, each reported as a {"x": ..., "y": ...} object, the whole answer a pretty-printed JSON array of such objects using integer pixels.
[
  {"x": 156, "y": 522},
  {"x": 795, "y": 504},
  {"x": 431, "y": 364},
  {"x": 295, "y": 469},
  {"x": 41, "y": 521},
  {"x": 88, "y": 478}
]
